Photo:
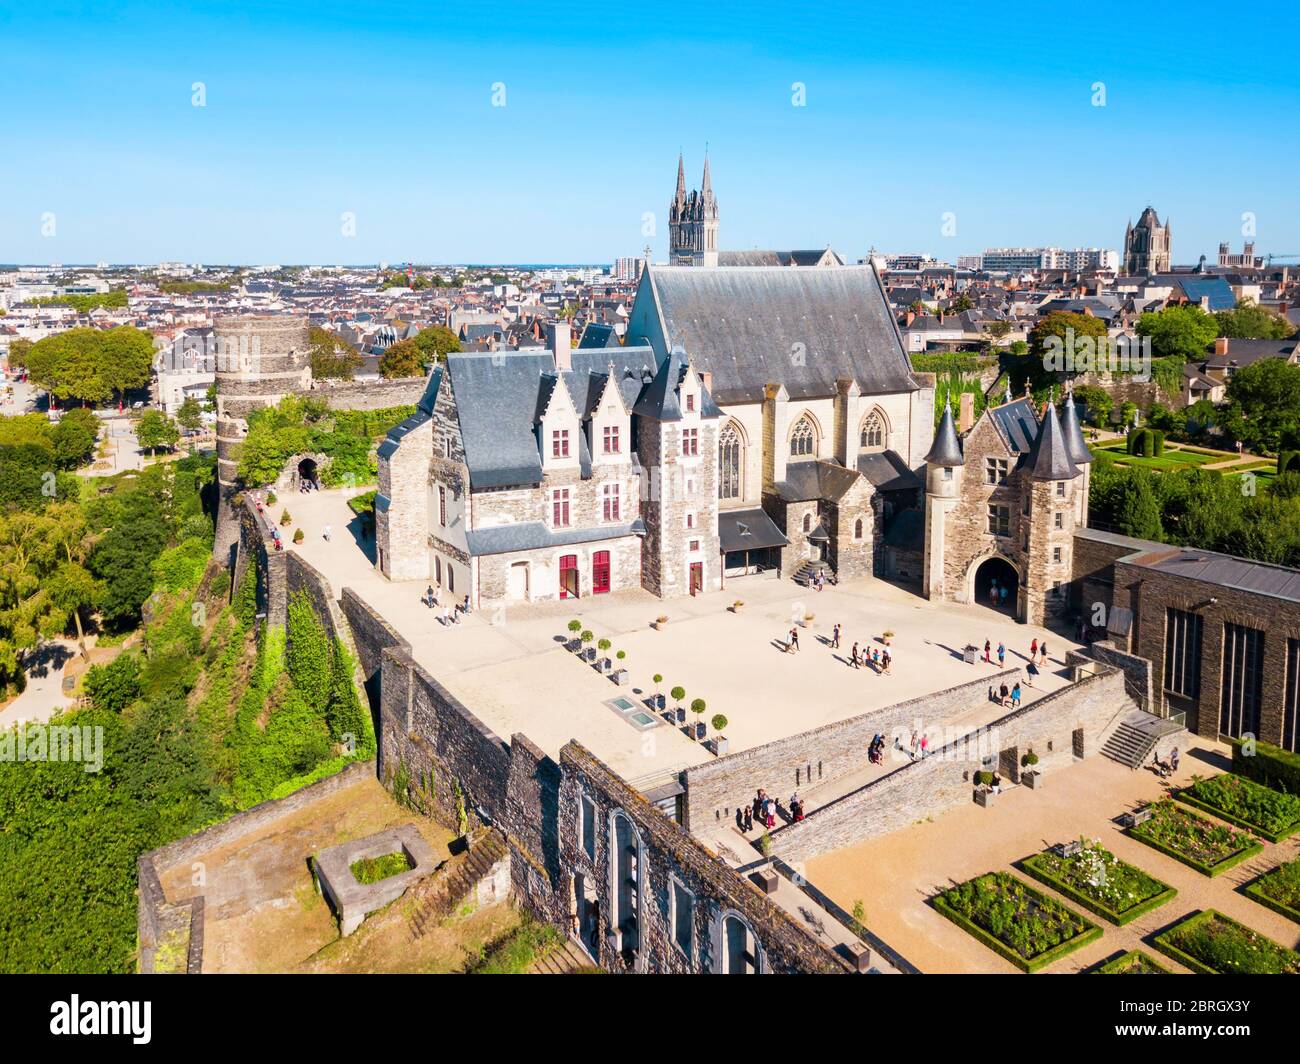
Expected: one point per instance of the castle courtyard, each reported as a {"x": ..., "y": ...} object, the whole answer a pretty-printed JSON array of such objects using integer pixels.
[{"x": 509, "y": 664}]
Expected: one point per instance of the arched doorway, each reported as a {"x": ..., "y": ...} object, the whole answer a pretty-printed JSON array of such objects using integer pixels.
[
  {"x": 307, "y": 475},
  {"x": 997, "y": 574}
]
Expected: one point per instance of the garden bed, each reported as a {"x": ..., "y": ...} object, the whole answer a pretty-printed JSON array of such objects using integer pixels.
[
  {"x": 1199, "y": 843},
  {"x": 1279, "y": 890},
  {"x": 1270, "y": 814},
  {"x": 1210, "y": 943},
  {"x": 373, "y": 869},
  {"x": 1100, "y": 882},
  {"x": 1134, "y": 962},
  {"x": 1022, "y": 924}
]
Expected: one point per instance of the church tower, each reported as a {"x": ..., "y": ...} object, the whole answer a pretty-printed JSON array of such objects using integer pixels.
[
  {"x": 1147, "y": 245},
  {"x": 693, "y": 221}
]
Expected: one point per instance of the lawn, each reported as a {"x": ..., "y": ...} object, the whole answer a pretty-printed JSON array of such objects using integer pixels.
[
  {"x": 1100, "y": 882},
  {"x": 1134, "y": 962},
  {"x": 1279, "y": 890},
  {"x": 1213, "y": 944},
  {"x": 1268, "y": 813},
  {"x": 373, "y": 869},
  {"x": 1009, "y": 916},
  {"x": 1208, "y": 847}
]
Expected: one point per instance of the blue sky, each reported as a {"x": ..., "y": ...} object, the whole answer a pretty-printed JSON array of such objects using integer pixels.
[{"x": 385, "y": 111}]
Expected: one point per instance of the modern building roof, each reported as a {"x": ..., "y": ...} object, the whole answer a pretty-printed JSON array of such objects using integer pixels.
[
  {"x": 1222, "y": 569},
  {"x": 946, "y": 449},
  {"x": 807, "y": 328}
]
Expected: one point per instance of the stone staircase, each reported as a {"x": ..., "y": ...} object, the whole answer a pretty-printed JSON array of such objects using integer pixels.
[
  {"x": 437, "y": 896},
  {"x": 1133, "y": 739},
  {"x": 563, "y": 960},
  {"x": 806, "y": 572}
]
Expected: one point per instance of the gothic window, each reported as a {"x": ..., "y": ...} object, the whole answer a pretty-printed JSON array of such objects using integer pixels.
[
  {"x": 803, "y": 440},
  {"x": 730, "y": 463},
  {"x": 872, "y": 437},
  {"x": 857, "y": 528},
  {"x": 807, "y": 522}
]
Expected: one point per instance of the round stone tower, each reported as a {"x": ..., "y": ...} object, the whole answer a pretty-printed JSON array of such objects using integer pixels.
[{"x": 260, "y": 358}]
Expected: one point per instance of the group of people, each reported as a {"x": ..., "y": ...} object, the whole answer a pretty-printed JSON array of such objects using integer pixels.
[
  {"x": 1037, "y": 657},
  {"x": 870, "y": 657},
  {"x": 1165, "y": 769},
  {"x": 763, "y": 811},
  {"x": 819, "y": 580},
  {"x": 447, "y": 615},
  {"x": 1007, "y": 697},
  {"x": 998, "y": 594},
  {"x": 876, "y": 749},
  {"x": 306, "y": 485}
]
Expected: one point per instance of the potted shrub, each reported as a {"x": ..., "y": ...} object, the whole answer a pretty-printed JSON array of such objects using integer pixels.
[
  {"x": 271, "y": 498},
  {"x": 586, "y": 636},
  {"x": 620, "y": 674},
  {"x": 983, "y": 795},
  {"x": 720, "y": 744},
  {"x": 659, "y": 622},
  {"x": 765, "y": 878},
  {"x": 808, "y": 620},
  {"x": 678, "y": 694},
  {"x": 298, "y": 537},
  {"x": 605, "y": 663},
  {"x": 285, "y": 519},
  {"x": 1031, "y": 777},
  {"x": 888, "y": 637},
  {"x": 701, "y": 729},
  {"x": 736, "y": 606},
  {"x": 659, "y": 698},
  {"x": 574, "y": 643}
]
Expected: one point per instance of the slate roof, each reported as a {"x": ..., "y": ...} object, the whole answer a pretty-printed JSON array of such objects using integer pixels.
[
  {"x": 531, "y": 535},
  {"x": 595, "y": 335},
  {"x": 1049, "y": 458},
  {"x": 815, "y": 480},
  {"x": 946, "y": 449},
  {"x": 1017, "y": 424},
  {"x": 748, "y": 530},
  {"x": 887, "y": 471},
  {"x": 1075, "y": 444},
  {"x": 776, "y": 258},
  {"x": 743, "y": 323}
]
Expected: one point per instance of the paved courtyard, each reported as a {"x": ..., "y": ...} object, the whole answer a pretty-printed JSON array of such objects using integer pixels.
[
  {"x": 509, "y": 666},
  {"x": 895, "y": 874}
]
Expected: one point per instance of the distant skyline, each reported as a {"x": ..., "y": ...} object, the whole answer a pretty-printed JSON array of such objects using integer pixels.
[{"x": 383, "y": 120}]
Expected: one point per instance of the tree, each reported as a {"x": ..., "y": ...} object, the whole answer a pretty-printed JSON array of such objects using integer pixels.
[
  {"x": 90, "y": 365},
  {"x": 402, "y": 359},
  {"x": 18, "y": 350},
  {"x": 1053, "y": 346},
  {"x": 1264, "y": 404},
  {"x": 436, "y": 342},
  {"x": 73, "y": 438},
  {"x": 1250, "y": 322},
  {"x": 1138, "y": 512},
  {"x": 190, "y": 414},
  {"x": 331, "y": 355},
  {"x": 960, "y": 304},
  {"x": 116, "y": 685},
  {"x": 1181, "y": 330},
  {"x": 155, "y": 429},
  {"x": 1097, "y": 401}
]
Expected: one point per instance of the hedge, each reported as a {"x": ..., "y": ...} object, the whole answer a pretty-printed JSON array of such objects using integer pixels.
[
  {"x": 1255, "y": 891},
  {"x": 1288, "y": 461},
  {"x": 1270, "y": 765},
  {"x": 1120, "y": 965},
  {"x": 1030, "y": 965},
  {"x": 1189, "y": 798},
  {"x": 1030, "y": 867}
]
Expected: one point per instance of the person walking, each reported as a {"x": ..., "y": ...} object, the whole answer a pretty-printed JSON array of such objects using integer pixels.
[
  {"x": 854, "y": 657},
  {"x": 913, "y": 744},
  {"x": 1042, "y": 649},
  {"x": 1015, "y": 696},
  {"x": 794, "y": 640},
  {"x": 886, "y": 659},
  {"x": 326, "y": 533},
  {"x": 988, "y": 647},
  {"x": 1002, "y": 655},
  {"x": 1003, "y": 591},
  {"x": 1003, "y": 694},
  {"x": 835, "y": 638},
  {"x": 1033, "y": 649},
  {"x": 925, "y": 745},
  {"x": 1031, "y": 670}
]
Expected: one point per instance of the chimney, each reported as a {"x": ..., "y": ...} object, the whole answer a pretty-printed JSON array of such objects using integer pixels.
[
  {"x": 706, "y": 379},
  {"x": 1221, "y": 345},
  {"x": 911, "y": 317},
  {"x": 965, "y": 411},
  {"x": 557, "y": 339}
]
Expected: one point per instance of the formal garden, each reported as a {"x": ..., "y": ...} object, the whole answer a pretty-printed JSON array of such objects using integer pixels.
[
  {"x": 1025, "y": 926},
  {"x": 1210, "y": 943},
  {"x": 1270, "y": 814},
  {"x": 1199, "y": 843},
  {"x": 1134, "y": 962},
  {"x": 1099, "y": 881},
  {"x": 1279, "y": 890}
]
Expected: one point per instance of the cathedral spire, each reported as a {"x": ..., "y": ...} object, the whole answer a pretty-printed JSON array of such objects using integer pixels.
[
  {"x": 706, "y": 187},
  {"x": 681, "y": 178}
]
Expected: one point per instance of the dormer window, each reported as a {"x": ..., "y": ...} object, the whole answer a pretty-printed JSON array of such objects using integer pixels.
[
  {"x": 560, "y": 443},
  {"x": 611, "y": 439},
  {"x": 690, "y": 402}
]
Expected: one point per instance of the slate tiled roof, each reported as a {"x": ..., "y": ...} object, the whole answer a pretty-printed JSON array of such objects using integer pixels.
[
  {"x": 815, "y": 480},
  {"x": 748, "y": 530},
  {"x": 1017, "y": 424},
  {"x": 803, "y": 327},
  {"x": 1075, "y": 444},
  {"x": 946, "y": 449},
  {"x": 531, "y": 535},
  {"x": 1049, "y": 458},
  {"x": 1223, "y": 569},
  {"x": 887, "y": 471}
]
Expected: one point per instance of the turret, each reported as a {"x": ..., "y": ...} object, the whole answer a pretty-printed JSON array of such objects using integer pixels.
[{"x": 944, "y": 461}]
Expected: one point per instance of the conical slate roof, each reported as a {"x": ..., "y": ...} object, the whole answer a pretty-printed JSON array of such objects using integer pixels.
[
  {"x": 946, "y": 450},
  {"x": 1049, "y": 458},
  {"x": 1074, "y": 440}
]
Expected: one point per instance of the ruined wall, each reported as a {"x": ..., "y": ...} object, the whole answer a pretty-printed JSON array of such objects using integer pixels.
[
  {"x": 715, "y": 788},
  {"x": 945, "y": 779},
  {"x": 369, "y": 395}
]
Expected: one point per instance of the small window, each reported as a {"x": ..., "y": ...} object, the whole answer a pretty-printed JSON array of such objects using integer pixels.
[
  {"x": 683, "y": 919},
  {"x": 1060, "y": 488},
  {"x": 807, "y": 522},
  {"x": 857, "y": 528},
  {"x": 446, "y": 447},
  {"x": 999, "y": 521},
  {"x": 947, "y": 472},
  {"x": 803, "y": 440},
  {"x": 695, "y": 544},
  {"x": 995, "y": 470},
  {"x": 611, "y": 439},
  {"x": 442, "y": 506},
  {"x": 560, "y": 508},
  {"x": 451, "y": 578},
  {"x": 690, "y": 442},
  {"x": 1056, "y": 555},
  {"x": 690, "y": 402},
  {"x": 560, "y": 443},
  {"x": 690, "y": 520},
  {"x": 609, "y": 496},
  {"x": 1058, "y": 520}
]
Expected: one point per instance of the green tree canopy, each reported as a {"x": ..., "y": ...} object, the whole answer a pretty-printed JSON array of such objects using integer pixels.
[
  {"x": 331, "y": 355},
  {"x": 155, "y": 429},
  {"x": 436, "y": 342},
  {"x": 91, "y": 365},
  {"x": 402, "y": 359},
  {"x": 1184, "y": 331},
  {"x": 1264, "y": 404},
  {"x": 1248, "y": 321}
]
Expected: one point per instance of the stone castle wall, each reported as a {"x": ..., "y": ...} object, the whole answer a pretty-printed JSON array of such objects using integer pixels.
[
  {"x": 945, "y": 779},
  {"x": 369, "y": 395}
]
